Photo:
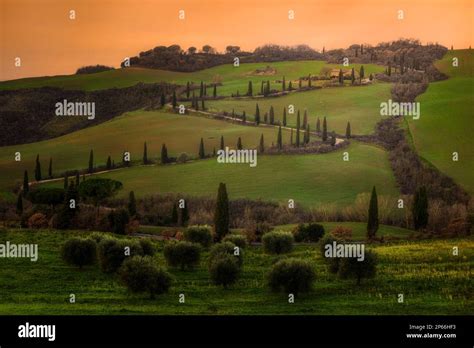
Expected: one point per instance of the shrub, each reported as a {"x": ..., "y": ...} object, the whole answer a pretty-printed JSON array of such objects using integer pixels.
[
  {"x": 198, "y": 234},
  {"x": 147, "y": 247},
  {"x": 224, "y": 270},
  {"x": 291, "y": 276},
  {"x": 350, "y": 267},
  {"x": 226, "y": 248},
  {"x": 98, "y": 237},
  {"x": 118, "y": 220},
  {"x": 139, "y": 274},
  {"x": 112, "y": 253},
  {"x": 38, "y": 220},
  {"x": 277, "y": 242},
  {"x": 342, "y": 233},
  {"x": 332, "y": 262},
  {"x": 236, "y": 239},
  {"x": 182, "y": 254},
  {"x": 308, "y": 232},
  {"x": 79, "y": 252}
]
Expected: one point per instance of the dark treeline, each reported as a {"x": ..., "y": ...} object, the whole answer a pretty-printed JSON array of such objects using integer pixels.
[
  {"x": 25, "y": 112},
  {"x": 91, "y": 69}
]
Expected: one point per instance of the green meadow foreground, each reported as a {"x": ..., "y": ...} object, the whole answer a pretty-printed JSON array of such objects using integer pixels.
[
  {"x": 432, "y": 280},
  {"x": 308, "y": 179},
  {"x": 233, "y": 78},
  {"x": 446, "y": 124}
]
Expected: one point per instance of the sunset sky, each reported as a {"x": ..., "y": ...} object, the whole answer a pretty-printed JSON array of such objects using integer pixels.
[{"x": 106, "y": 31}]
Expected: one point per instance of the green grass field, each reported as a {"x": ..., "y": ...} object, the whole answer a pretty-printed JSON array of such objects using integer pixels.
[
  {"x": 308, "y": 179},
  {"x": 359, "y": 105},
  {"x": 128, "y": 132},
  {"x": 432, "y": 280},
  {"x": 446, "y": 124},
  {"x": 232, "y": 78}
]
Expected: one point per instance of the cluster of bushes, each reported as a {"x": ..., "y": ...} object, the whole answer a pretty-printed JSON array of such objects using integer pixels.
[
  {"x": 308, "y": 232},
  {"x": 225, "y": 263}
]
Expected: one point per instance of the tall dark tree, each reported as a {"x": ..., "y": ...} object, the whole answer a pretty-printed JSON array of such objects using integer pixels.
[
  {"x": 318, "y": 125},
  {"x": 373, "y": 218},
  {"x": 37, "y": 169},
  {"x": 19, "y": 205},
  {"x": 26, "y": 186},
  {"x": 272, "y": 115},
  {"x": 214, "y": 91},
  {"x": 298, "y": 129},
  {"x": 201, "y": 90},
  {"x": 261, "y": 147},
  {"x": 309, "y": 80},
  {"x": 261, "y": 88},
  {"x": 279, "y": 140},
  {"x": 353, "y": 76},
  {"x": 420, "y": 209},
  {"x": 222, "y": 142},
  {"x": 188, "y": 90},
  {"x": 348, "y": 130},
  {"x": 162, "y": 99},
  {"x": 307, "y": 135},
  {"x": 361, "y": 73},
  {"x": 341, "y": 77},
  {"x": 145, "y": 154},
  {"x": 291, "y": 137},
  {"x": 305, "y": 119},
  {"x": 109, "y": 163},
  {"x": 267, "y": 89},
  {"x": 221, "y": 215},
  {"x": 164, "y": 154},
  {"x": 300, "y": 83},
  {"x": 205, "y": 89},
  {"x": 257, "y": 115},
  {"x": 325, "y": 129},
  {"x": 239, "y": 144},
  {"x": 91, "y": 162},
  {"x": 250, "y": 89},
  {"x": 333, "y": 139},
  {"x": 174, "y": 101},
  {"x": 132, "y": 204},
  {"x": 389, "y": 69},
  {"x": 202, "y": 153},
  {"x": 283, "y": 84},
  {"x": 284, "y": 116},
  {"x": 290, "y": 86},
  {"x": 50, "y": 168},
  {"x": 244, "y": 117}
]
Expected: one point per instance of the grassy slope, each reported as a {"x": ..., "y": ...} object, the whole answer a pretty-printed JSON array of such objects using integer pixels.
[
  {"x": 128, "y": 132},
  {"x": 446, "y": 124},
  {"x": 432, "y": 281},
  {"x": 359, "y": 105},
  {"x": 233, "y": 78},
  {"x": 308, "y": 179}
]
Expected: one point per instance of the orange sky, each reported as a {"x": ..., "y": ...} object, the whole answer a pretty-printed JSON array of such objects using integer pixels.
[{"x": 106, "y": 31}]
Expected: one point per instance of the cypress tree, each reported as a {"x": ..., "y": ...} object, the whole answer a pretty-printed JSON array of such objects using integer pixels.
[
  {"x": 279, "y": 140},
  {"x": 325, "y": 129},
  {"x": 373, "y": 219},
  {"x": 233, "y": 113},
  {"x": 300, "y": 83},
  {"x": 78, "y": 179},
  {"x": 250, "y": 89},
  {"x": 333, "y": 139},
  {"x": 175, "y": 103},
  {"x": 164, "y": 154},
  {"x": 298, "y": 129},
  {"x": 109, "y": 163},
  {"x": 290, "y": 86},
  {"x": 261, "y": 147},
  {"x": 188, "y": 90},
  {"x": 132, "y": 204},
  {"x": 19, "y": 205},
  {"x": 361, "y": 73},
  {"x": 221, "y": 215},
  {"x": 202, "y": 154},
  {"x": 291, "y": 137},
  {"x": 222, "y": 142},
  {"x": 353, "y": 76},
  {"x": 261, "y": 88},
  {"x": 309, "y": 80},
  {"x": 257, "y": 115},
  {"x": 201, "y": 90},
  {"x": 272, "y": 115},
  {"x": 214, "y": 92},
  {"x": 205, "y": 89},
  {"x": 265, "y": 118},
  {"x": 162, "y": 99},
  {"x": 318, "y": 125},
  {"x": 389, "y": 69},
  {"x": 50, "y": 168},
  {"x": 145, "y": 154},
  {"x": 91, "y": 161},
  {"x": 283, "y": 84},
  {"x": 244, "y": 117},
  {"x": 420, "y": 209},
  {"x": 239, "y": 144},
  {"x": 348, "y": 130},
  {"x": 37, "y": 169},
  {"x": 307, "y": 134},
  {"x": 268, "y": 87},
  {"x": 284, "y": 117},
  {"x": 26, "y": 186},
  {"x": 66, "y": 181},
  {"x": 305, "y": 119},
  {"x": 341, "y": 77}
]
